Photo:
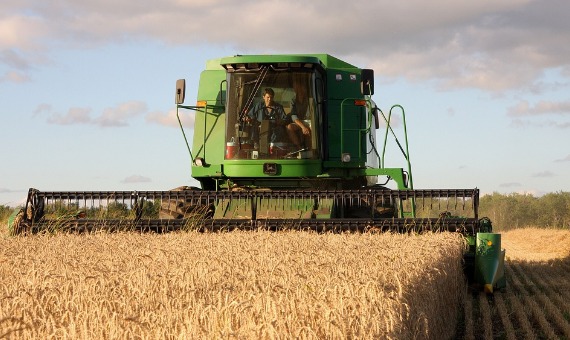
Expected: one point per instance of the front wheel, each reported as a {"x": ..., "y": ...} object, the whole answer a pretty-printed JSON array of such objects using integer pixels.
[{"x": 184, "y": 208}]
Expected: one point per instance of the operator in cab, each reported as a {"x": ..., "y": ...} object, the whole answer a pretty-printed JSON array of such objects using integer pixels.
[
  {"x": 272, "y": 111},
  {"x": 298, "y": 132}
]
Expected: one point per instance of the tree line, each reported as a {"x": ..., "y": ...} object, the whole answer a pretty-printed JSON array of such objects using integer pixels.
[{"x": 509, "y": 211}]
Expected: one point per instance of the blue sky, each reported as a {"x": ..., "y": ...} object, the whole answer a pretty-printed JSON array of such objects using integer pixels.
[{"x": 87, "y": 89}]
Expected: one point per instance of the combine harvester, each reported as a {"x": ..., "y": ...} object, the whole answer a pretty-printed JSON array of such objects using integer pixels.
[{"x": 283, "y": 142}]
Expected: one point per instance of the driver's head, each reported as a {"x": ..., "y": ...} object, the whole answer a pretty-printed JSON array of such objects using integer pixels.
[{"x": 268, "y": 95}]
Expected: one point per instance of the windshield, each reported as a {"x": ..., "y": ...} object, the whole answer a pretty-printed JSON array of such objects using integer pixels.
[{"x": 272, "y": 114}]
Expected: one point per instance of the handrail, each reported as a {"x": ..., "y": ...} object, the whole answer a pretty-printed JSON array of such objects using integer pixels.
[
  {"x": 182, "y": 128},
  {"x": 193, "y": 108},
  {"x": 406, "y": 152}
]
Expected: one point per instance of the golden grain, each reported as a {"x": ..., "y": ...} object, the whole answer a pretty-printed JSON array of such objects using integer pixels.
[{"x": 231, "y": 285}]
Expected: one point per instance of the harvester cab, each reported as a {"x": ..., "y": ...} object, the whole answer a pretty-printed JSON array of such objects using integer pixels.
[
  {"x": 284, "y": 142},
  {"x": 285, "y": 122}
]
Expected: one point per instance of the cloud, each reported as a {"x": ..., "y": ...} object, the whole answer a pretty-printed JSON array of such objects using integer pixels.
[
  {"x": 524, "y": 108},
  {"x": 540, "y": 87},
  {"x": 136, "y": 179},
  {"x": 523, "y": 123},
  {"x": 73, "y": 116},
  {"x": 565, "y": 159},
  {"x": 14, "y": 77},
  {"x": 490, "y": 45},
  {"x": 14, "y": 60},
  {"x": 169, "y": 118},
  {"x": 542, "y": 114},
  {"x": 118, "y": 116},
  {"x": 546, "y": 174},
  {"x": 43, "y": 107},
  {"x": 17, "y": 64}
]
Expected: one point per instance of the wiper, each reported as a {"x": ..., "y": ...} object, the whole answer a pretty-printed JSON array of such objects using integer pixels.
[{"x": 256, "y": 86}]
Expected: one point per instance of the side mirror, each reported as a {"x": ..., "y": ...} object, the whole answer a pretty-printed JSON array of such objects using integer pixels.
[
  {"x": 180, "y": 90},
  {"x": 367, "y": 82}
]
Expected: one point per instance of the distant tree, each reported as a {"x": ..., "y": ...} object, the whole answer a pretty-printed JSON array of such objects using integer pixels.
[
  {"x": 117, "y": 210},
  {"x": 5, "y": 212},
  {"x": 555, "y": 210},
  {"x": 150, "y": 209},
  {"x": 520, "y": 210}
]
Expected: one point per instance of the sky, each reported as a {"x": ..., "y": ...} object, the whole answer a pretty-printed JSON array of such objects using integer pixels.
[{"x": 87, "y": 87}]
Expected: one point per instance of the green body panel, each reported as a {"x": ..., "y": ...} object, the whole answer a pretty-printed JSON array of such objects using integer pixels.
[
  {"x": 209, "y": 124},
  {"x": 285, "y": 168},
  {"x": 343, "y": 83},
  {"x": 210, "y": 170},
  {"x": 345, "y": 122},
  {"x": 489, "y": 260},
  {"x": 345, "y": 125}
]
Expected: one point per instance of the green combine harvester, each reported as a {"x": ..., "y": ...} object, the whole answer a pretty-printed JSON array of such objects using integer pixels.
[{"x": 284, "y": 142}]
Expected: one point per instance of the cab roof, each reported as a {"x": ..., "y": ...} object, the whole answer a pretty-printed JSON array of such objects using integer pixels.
[{"x": 324, "y": 60}]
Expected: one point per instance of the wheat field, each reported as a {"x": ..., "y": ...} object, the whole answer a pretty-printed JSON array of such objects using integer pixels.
[
  {"x": 235, "y": 285},
  {"x": 267, "y": 285}
]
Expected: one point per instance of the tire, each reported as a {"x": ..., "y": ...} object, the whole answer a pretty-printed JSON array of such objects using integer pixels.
[{"x": 181, "y": 208}]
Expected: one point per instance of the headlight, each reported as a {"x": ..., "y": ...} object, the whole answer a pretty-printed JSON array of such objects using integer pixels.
[
  {"x": 345, "y": 157},
  {"x": 199, "y": 161}
]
